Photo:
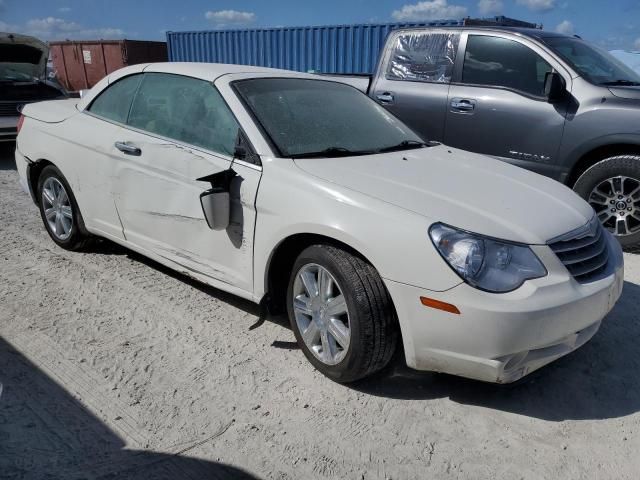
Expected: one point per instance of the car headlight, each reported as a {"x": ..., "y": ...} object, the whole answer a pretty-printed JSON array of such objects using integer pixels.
[{"x": 486, "y": 263}]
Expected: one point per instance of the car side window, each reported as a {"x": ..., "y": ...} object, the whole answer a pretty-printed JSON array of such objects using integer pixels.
[
  {"x": 500, "y": 62},
  {"x": 185, "y": 109},
  {"x": 423, "y": 57},
  {"x": 115, "y": 100}
]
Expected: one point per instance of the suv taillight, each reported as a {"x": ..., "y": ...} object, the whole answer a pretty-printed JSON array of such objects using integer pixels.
[{"x": 20, "y": 122}]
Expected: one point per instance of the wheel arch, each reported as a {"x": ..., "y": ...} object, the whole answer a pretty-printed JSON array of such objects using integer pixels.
[
  {"x": 598, "y": 153},
  {"x": 282, "y": 258},
  {"x": 34, "y": 169}
]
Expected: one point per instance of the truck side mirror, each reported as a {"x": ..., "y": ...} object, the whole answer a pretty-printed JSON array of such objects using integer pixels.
[{"x": 554, "y": 87}]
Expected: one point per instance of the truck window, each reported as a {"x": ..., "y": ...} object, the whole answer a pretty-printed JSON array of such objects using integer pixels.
[
  {"x": 423, "y": 57},
  {"x": 500, "y": 62}
]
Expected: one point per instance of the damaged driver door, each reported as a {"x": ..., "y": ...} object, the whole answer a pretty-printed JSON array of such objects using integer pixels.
[{"x": 181, "y": 130}]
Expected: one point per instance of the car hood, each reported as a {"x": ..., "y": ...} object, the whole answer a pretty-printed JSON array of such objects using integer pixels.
[
  {"x": 24, "y": 54},
  {"x": 469, "y": 191}
]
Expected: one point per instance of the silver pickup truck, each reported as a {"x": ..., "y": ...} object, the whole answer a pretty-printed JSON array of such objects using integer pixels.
[{"x": 547, "y": 102}]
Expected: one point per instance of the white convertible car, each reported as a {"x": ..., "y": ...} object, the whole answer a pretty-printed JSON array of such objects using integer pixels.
[{"x": 303, "y": 194}]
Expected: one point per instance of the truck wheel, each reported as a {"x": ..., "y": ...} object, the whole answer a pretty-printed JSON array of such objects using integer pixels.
[
  {"x": 612, "y": 188},
  {"x": 59, "y": 210},
  {"x": 341, "y": 313}
]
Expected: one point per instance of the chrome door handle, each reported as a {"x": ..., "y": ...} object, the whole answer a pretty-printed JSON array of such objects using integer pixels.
[
  {"x": 128, "y": 149},
  {"x": 462, "y": 105},
  {"x": 385, "y": 97}
]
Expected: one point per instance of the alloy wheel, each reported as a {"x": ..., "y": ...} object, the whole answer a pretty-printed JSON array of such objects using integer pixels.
[
  {"x": 57, "y": 208},
  {"x": 616, "y": 201},
  {"x": 321, "y": 313}
]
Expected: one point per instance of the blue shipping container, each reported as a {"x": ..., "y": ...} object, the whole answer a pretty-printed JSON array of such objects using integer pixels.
[{"x": 327, "y": 49}]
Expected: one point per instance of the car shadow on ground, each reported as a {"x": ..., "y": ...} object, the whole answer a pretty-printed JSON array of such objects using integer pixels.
[
  {"x": 598, "y": 381},
  {"x": 46, "y": 433}
]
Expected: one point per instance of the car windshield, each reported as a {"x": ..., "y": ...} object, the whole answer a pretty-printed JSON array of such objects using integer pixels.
[
  {"x": 594, "y": 64},
  {"x": 16, "y": 72},
  {"x": 317, "y": 118}
]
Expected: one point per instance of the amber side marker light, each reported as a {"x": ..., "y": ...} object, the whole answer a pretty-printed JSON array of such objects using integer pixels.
[{"x": 433, "y": 303}]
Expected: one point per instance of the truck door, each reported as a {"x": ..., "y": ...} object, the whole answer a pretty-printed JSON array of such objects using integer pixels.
[
  {"x": 413, "y": 79},
  {"x": 497, "y": 104}
]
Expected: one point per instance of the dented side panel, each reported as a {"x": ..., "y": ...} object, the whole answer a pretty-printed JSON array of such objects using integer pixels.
[{"x": 158, "y": 199}]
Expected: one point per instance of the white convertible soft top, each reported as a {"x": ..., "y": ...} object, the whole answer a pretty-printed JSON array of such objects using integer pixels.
[{"x": 206, "y": 71}]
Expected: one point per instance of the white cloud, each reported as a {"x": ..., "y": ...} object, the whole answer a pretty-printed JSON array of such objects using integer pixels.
[
  {"x": 51, "y": 28},
  {"x": 64, "y": 9},
  {"x": 490, "y": 7},
  {"x": 433, "y": 10},
  {"x": 565, "y": 27},
  {"x": 230, "y": 17},
  {"x": 636, "y": 45},
  {"x": 7, "y": 27},
  {"x": 538, "y": 5}
]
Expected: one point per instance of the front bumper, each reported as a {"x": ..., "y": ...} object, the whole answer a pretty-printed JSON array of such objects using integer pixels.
[
  {"x": 503, "y": 337},
  {"x": 8, "y": 128}
]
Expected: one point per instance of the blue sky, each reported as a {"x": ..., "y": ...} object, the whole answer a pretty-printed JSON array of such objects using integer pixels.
[{"x": 612, "y": 24}]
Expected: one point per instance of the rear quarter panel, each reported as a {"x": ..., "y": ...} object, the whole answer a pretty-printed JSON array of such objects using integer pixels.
[{"x": 76, "y": 147}]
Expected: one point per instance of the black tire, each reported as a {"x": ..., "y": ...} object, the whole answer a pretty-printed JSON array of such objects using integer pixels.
[
  {"x": 78, "y": 237},
  {"x": 621, "y": 165},
  {"x": 372, "y": 317}
]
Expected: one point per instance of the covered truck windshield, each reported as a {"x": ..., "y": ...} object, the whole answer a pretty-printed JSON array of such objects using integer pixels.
[
  {"x": 595, "y": 65},
  {"x": 317, "y": 118}
]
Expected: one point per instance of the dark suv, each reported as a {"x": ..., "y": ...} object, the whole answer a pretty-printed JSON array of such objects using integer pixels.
[{"x": 23, "y": 63}]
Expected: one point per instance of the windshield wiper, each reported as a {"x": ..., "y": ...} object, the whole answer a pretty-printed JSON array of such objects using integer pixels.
[
  {"x": 404, "y": 145},
  {"x": 630, "y": 83},
  {"x": 332, "y": 152}
]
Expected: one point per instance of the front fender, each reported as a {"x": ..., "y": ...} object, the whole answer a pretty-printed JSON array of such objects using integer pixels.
[{"x": 395, "y": 241}]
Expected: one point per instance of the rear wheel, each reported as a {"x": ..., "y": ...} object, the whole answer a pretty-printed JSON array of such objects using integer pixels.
[
  {"x": 59, "y": 210},
  {"x": 341, "y": 313},
  {"x": 612, "y": 188}
]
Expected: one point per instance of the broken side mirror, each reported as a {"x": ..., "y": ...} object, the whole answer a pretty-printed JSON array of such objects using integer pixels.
[
  {"x": 240, "y": 152},
  {"x": 216, "y": 202},
  {"x": 554, "y": 87},
  {"x": 216, "y": 205}
]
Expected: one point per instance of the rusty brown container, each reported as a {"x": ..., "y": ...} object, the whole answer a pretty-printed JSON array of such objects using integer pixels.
[{"x": 82, "y": 64}]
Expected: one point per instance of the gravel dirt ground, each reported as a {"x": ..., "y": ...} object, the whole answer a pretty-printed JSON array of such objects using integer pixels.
[{"x": 114, "y": 367}]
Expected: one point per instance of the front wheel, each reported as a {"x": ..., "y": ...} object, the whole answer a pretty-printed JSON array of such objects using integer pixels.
[
  {"x": 612, "y": 188},
  {"x": 341, "y": 313}
]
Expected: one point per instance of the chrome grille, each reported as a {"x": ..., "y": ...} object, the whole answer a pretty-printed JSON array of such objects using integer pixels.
[
  {"x": 10, "y": 109},
  {"x": 584, "y": 251}
]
